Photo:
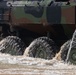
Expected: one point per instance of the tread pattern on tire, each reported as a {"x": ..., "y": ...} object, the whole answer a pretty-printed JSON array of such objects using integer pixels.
[
  {"x": 12, "y": 45},
  {"x": 45, "y": 43},
  {"x": 64, "y": 50},
  {"x": 51, "y": 43}
]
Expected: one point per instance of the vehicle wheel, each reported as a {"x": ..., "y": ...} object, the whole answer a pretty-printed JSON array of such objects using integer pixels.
[
  {"x": 64, "y": 52},
  {"x": 42, "y": 47},
  {"x": 12, "y": 45},
  {"x": 51, "y": 43}
]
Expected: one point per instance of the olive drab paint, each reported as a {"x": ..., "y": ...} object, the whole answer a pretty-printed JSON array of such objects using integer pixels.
[{"x": 39, "y": 12}]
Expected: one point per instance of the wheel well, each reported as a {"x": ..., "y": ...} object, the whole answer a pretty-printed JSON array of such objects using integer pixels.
[{"x": 4, "y": 30}]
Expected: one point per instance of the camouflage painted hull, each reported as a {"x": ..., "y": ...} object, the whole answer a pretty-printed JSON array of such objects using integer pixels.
[
  {"x": 55, "y": 18},
  {"x": 38, "y": 19},
  {"x": 43, "y": 15}
]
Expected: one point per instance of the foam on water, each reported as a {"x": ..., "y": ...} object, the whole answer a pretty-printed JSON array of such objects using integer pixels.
[
  {"x": 23, "y": 60},
  {"x": 35, "y": 66}
]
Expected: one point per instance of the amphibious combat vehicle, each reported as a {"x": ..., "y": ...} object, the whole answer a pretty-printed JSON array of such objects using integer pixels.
[{"x": 43, "y": 26}]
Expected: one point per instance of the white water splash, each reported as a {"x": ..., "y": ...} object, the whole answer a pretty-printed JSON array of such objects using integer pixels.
[{"x": 34, "y": 66}]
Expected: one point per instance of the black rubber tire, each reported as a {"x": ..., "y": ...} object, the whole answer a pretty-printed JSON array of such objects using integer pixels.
[
  {"x": 42, "y": 44},
  {"x": 64, "y": 52},
  {"x": 12, "y": 45},
  {"x": 51, "y": 43}
]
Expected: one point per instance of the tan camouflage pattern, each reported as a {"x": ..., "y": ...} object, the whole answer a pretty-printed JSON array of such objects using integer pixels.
[{"x": 58, "y": 18}]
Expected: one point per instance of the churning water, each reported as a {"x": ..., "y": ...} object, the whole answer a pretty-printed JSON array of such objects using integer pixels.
[
  {"x": 23, "y": 65},
  {"x": 34, "y": 66}
]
